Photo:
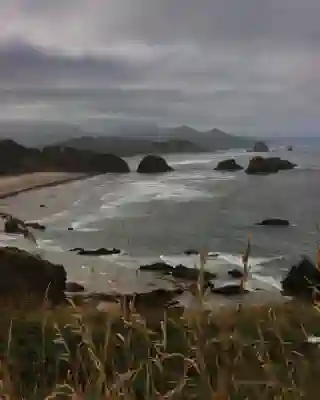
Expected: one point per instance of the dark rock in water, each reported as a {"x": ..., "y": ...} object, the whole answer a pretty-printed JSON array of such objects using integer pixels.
[
  {"x": 191, "y": 252},
  {"x": 228, "y": 165},
  {"x": 70, "y": 229},
  {"x": 24, "y": 274},
  {"x": 302, "y": 279},
  {"x": 76, "y": 249},
  {"x": 157, "y": 267},
  {"x": 182, "y": 272},
  {"x": 274, "y": 222},
  {"x": 290, "y": 148},
  {"x": 158, "y": 297},
  {"x": 229, "y": 290},
  {"x": 74, "y": 287},
  {"x": 43, "y": 206},
  {"x": 99, "y": 252},
  {"x": 260, "y": 165},
  {"x": 12, "y": 225},
  {"x": 36, "y": 226},
  {"x": 235, "y": 273},
  {"x": 153, "y": 165},
  {"x": 260, "y": 147}
]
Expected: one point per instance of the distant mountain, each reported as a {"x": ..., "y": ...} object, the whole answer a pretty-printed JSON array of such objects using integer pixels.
[
  {"x": 210, "y": 140},
  {"x": 126, "y": 147},
  {"x": 182, "y": 139}
]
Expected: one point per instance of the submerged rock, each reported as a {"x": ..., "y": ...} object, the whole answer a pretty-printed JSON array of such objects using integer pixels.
[
  {"x": 24, "y": 274},
  {"x": 274, "y": 222},
  {"x": 260, "y": 147},
  {"x": 260, "y": 165},
  {"x": 302, "y": 280},
  {"x": 152, "y": 164},
  {"x": 228, "y": 165}
]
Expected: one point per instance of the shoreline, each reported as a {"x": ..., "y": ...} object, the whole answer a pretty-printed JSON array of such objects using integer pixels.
[{"x": 39, "y": 176}]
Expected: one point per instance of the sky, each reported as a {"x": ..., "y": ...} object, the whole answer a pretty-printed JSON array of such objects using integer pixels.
[{"x": 243, "y": 66}]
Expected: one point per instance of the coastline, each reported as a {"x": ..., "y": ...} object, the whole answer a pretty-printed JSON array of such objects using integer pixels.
[{"x": 11, "y": 186}]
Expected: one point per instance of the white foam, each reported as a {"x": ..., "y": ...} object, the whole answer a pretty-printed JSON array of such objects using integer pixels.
[
  {"x": 54, "y": 217},
  {"x": 49, "y": 246}
]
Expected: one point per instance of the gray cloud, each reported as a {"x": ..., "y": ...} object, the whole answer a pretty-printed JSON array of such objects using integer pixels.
[{"x": 249, "y": 66}]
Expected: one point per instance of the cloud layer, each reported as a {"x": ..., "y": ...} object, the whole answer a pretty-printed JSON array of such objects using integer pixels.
[{"x": 249, "y": 66}]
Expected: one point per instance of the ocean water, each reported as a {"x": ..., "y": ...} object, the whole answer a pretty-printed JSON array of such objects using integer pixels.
[{"x": 161, "y": 216}]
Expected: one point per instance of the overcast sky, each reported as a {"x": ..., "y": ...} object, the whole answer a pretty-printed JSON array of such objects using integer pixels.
[{"x": 244, "y": 66}]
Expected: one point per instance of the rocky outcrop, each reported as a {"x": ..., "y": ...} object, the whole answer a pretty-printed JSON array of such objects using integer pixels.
[
  {"x": 260, "y": 147},
  {"x": 17, "y": 159},
  {"x": 274, "y": 222},
  {"x": 24, "y": 274},
  {"x": 228, "y": 165},
  {"x": 98, "y": 252},
  {"x": 260, "y": 165},
  {"x": 71, "y": 160},
  {"x": 302, "y": 280},
  {"x": 152, "y": 164}
]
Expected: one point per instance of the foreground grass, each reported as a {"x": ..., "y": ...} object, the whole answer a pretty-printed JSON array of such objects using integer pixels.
[{"x": 256, "y": 353}]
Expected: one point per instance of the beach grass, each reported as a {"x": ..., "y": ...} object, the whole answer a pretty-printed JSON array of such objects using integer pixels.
[{"x": 76, "y": 350}]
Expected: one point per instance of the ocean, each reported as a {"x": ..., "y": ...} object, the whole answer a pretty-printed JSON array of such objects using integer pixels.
[{"x": 194, "y": 207}]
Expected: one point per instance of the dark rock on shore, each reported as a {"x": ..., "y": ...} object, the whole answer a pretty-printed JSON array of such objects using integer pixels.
[
  {"x": 302, "y": 280},
  {"x": 74, "y": 287},
  {"x": 43, "y": 206},
  {"x": 260, "y": 147},
  {"x": 274, "y": 222},
  {"x": 98, "y": 252},
  {"x": 228, "y": 165},
  {"x": 35, "y": 225},
  {"x": 235, "y": 273},
  {"x": 70, "y": 229},
  {"x": 260, "y": 165},
  {"x": 24, "y": 274},
  {"x": 152, "y": 164}
]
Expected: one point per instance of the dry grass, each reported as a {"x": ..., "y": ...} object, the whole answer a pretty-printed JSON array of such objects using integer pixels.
[
  {"x": 135, "y": 353},
  {"x": 258, "y": 353}
]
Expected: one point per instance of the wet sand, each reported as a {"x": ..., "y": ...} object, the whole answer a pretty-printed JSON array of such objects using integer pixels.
[{"x": 12, "y": 185}]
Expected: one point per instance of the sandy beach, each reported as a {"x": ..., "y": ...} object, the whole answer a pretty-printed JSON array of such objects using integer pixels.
[{"x": 13, "y": 185}]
